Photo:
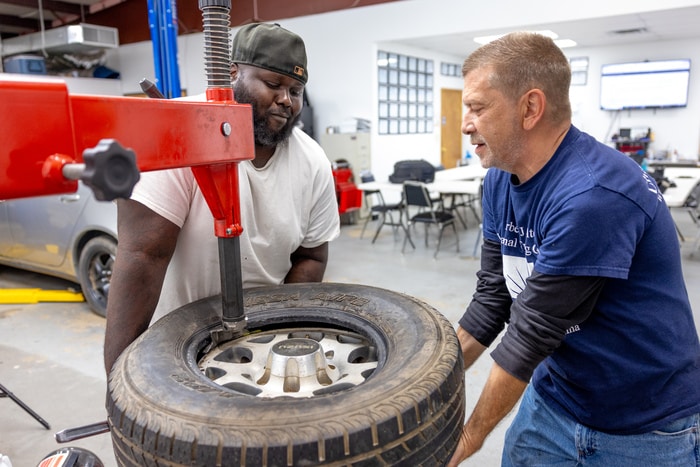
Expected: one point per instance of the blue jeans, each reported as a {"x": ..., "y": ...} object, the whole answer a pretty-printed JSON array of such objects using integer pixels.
[{"x": 540, "y": 436}]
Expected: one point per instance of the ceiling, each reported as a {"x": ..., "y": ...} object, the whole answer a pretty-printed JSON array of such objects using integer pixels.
[
  {"x": 130, "y": 18},
  {"x": 663, "y": 25}
]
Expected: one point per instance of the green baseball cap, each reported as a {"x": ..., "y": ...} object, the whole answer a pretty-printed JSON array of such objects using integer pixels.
[{"x": 272, "y": 47}]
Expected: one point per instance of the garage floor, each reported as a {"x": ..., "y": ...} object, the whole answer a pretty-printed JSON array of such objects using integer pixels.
[{"x": 51, "y": 353}]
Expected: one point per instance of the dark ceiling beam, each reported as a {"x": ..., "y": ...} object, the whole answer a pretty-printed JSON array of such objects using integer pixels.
[
  {"x": 130, "y": 17},
  {"x": 23, "y": 23},
  {"x": 50, "y": 5}
]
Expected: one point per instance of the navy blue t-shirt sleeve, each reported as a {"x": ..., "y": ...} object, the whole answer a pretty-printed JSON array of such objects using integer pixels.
[{"x": 593, "y": 234}]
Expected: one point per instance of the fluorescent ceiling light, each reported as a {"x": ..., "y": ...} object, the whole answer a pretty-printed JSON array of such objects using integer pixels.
[
  {"x": 546, "y": 32},
  {"x": 564, "y": 43}
]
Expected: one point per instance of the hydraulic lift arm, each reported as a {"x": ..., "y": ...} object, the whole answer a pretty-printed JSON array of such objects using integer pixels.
[{"x": 50, "y": 139}]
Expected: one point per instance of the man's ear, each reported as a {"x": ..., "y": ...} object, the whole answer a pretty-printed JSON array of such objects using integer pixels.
[
  {"x": 532, "y": 105},
  {"x": 234, "y": 71}
]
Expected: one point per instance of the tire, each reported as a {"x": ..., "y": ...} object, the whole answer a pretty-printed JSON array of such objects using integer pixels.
[
  {"x": 95, "y": 271},
  {"x": 164, "y": 411}
]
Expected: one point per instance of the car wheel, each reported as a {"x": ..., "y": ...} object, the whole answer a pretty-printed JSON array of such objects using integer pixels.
[
  {"x": 326, "y": 374},
  {"x": 95, "y": 271}
]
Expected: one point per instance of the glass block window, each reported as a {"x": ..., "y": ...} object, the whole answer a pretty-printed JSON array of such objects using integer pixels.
[
  {"x": 405, "y": 94},
  {"x": 450, "y": 69}
]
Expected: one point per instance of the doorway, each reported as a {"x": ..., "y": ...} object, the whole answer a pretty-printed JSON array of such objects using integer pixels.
[{"x": 450, "y": 127}]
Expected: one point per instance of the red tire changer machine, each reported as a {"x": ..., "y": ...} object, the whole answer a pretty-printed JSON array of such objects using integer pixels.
[{"x": 51, "y": 139}]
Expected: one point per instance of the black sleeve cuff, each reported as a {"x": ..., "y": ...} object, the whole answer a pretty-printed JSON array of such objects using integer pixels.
[
  {"x": 541, "y": 316},
  {"x": 489, "y": 309}
]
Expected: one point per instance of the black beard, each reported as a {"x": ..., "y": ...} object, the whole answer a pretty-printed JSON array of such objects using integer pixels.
[{"x": 264, "y": 135}]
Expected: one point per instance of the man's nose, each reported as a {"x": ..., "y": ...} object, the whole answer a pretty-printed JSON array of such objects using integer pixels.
[
  {"x": 284, "y": 97},
  {"x": 468, "y": 125}
]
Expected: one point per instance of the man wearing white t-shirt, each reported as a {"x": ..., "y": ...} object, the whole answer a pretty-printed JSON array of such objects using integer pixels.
[{"x": 168, "y": 253}]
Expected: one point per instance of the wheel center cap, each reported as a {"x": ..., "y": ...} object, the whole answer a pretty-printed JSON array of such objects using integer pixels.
[
  {"x": 296, "y": 347},
  {"x": 296, "y": 358}
]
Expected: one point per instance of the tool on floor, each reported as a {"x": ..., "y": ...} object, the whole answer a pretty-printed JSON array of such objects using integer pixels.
[
  {"x": 72, "y": 434},
  {"x": 8, "y": 296},
  {"x": 4, "y": 392}
]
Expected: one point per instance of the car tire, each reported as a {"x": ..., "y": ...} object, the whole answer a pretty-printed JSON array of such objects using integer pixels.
[
  {"x": 95, "y": 271},
  {"x": 164, "y": 411}
]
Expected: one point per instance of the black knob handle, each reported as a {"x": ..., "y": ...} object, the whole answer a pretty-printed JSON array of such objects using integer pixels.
[{"x": 110, "y": 170}]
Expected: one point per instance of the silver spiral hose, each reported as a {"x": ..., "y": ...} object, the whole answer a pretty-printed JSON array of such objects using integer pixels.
[{"x": 217, "y": 39}]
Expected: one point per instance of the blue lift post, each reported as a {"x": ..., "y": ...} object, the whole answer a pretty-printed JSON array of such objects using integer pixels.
[{"x": 162, "y": 22}]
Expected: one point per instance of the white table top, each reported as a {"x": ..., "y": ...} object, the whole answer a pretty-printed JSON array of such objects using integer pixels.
[
  {"x": 459, "y": 187},
  {"x": 685, "y": 180},
  {"x": 465, "y": 172}
]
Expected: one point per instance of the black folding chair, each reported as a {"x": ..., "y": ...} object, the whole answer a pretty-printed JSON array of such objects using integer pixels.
[
  {"x": 390, "y": 214},
  {"x": 416, "y": 194}
]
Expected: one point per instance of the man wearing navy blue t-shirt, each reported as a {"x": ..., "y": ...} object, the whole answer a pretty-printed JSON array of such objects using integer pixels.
[{"x": 581, "y": 265}]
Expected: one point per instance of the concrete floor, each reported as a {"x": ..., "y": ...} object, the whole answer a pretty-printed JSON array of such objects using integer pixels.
[{"x": 51, "y": 353}]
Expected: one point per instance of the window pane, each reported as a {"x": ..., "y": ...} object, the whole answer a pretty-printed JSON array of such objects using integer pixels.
[
  {"x": 393, "y": 93},
  {"x": 405, "y": 93},
  {"x": 403, "y": 62},
  {"x": 393, "y": 77},
  {"x": 383, "y": 126},
  {"x": 393, "y": 110},
  {"x": 383, "y": 93},
  {"x": 383, "y": 110}
]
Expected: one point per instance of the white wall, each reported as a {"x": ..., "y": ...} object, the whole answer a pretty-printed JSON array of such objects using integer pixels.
[
  {"x": 674, "y": 129},
  {"x": 342, "y": 48}
]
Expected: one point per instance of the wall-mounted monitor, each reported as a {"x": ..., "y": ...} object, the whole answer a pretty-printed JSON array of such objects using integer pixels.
[{"x": 645, "y": 85}]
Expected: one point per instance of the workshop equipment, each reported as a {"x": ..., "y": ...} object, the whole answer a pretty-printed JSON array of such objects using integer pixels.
[
  {"x": 4, "y": 392},
  {"x": 66, "y": 144},
  {"x": 47, "y": 155},
  {"x": 8, "y": 296},
  {"x": 349, "y": 196}
]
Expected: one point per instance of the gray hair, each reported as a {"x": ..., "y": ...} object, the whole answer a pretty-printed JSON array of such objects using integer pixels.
[{"x": 522, "y": 61}]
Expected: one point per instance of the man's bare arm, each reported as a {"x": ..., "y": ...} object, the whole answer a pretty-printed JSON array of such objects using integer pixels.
[
  {"x": 500, "y": 394},
  {"x": 308, "y": 264},
  {"x": 471, "y": 348},
  {"x": 146, "y": 244}
]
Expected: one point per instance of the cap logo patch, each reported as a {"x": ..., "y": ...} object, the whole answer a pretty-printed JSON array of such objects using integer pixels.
[{"x": 299, "y": 71}]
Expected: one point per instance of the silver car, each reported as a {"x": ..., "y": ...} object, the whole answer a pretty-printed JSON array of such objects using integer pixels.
[{"x": 72, "y": 236}]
